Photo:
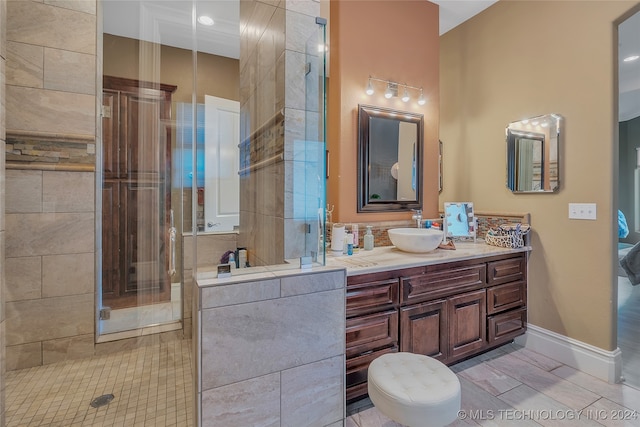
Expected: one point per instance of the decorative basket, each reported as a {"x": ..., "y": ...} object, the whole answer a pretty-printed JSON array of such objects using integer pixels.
[{"x": 508, "y": 235}]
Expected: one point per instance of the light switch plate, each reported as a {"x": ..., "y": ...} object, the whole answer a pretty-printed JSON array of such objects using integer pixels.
[{"x": 582, "y": 211}]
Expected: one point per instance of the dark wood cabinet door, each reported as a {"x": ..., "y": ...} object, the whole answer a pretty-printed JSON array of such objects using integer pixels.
[
  {"x": 467, "y": 316},
  {"x": 136, "y": 192},
  {"x": 424, "y": 329}
]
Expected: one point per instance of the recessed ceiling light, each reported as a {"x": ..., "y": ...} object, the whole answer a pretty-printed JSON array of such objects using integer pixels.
[
  {"x": 631, "y": 58},
  {"x": 205, "y": 20}
]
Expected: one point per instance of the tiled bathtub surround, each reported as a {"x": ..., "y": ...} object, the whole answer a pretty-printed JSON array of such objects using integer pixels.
[{"x": 270, "y": 348}]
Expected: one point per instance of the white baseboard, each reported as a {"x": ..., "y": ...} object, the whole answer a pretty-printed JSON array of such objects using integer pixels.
[{"x": 603, "y": 364}]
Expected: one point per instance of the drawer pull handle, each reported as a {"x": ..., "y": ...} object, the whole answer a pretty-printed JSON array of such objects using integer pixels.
[{"x": 366, "y": 353}]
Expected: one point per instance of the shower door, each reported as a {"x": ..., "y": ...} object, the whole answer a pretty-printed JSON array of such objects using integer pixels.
[{"x": 136, "y": 198}]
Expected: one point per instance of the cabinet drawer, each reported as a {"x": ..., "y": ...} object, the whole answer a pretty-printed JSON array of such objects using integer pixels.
[
  {"x": 505, "y": 297},
  {"x": 357, "y": 369},
  {"x": 371, "y": 332},
  {"x": 508, "y": 270},
  {"x": 442, "y": 283},
  {"x": 373, "y": 296},
  {"x": 506, "y": 326}
]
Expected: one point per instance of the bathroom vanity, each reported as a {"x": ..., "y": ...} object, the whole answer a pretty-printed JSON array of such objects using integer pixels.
[
  {"x": 449, "y": 305},
  {"x": 270, "y": 343}
]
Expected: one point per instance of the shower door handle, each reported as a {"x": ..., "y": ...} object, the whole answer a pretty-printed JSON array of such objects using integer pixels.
[{"x": 172, "y": 247}]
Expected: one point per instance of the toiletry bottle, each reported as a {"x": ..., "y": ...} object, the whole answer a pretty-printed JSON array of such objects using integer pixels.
[
  {"x": 242, "y": 258},
  {"x": 350, "y": 244},
  {"x": 368, "y": 239},
  {"x": 232, "y": 260},
  {"x": 356, "y": 238}
]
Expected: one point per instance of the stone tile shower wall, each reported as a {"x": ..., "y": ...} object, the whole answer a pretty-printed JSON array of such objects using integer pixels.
[
  {"x": 50, "y": 180},
  {"x": 3, "y": 58},
  {"x": 273, "y": 120},
  {"x": 49, "y": 266},
  {"x": 262, "y": 35}
]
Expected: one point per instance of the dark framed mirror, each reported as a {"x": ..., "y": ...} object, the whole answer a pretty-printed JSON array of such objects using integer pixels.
[
  {"x": 390, "y": 147},
  {"x": 533, "y": 154}
]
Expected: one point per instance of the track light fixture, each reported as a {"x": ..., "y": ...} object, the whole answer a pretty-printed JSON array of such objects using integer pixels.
[{"x": 392, "y": 90}]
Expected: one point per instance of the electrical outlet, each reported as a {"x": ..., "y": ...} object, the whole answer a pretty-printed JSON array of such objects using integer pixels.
[{"x": 582, "y": 211}]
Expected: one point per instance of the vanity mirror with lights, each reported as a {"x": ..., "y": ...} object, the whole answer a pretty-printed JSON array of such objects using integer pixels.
[
  {"x": 390, "y": 147},
  {"x": 459, "y": 220},
  {"x": 533, "y": 154}
]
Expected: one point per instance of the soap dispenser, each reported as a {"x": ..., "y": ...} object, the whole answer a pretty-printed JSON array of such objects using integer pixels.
[{"x": 368, "y": 239}]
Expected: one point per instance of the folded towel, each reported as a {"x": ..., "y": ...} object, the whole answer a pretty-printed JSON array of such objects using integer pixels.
[
  {"x": 631, "y": 264},
  {"x": 623, "y": 228}
]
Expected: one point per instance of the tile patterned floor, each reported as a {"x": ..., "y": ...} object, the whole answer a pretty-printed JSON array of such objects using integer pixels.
[
  {"x": 152, "y": 386},
  {"x": 514, "y": 386}
]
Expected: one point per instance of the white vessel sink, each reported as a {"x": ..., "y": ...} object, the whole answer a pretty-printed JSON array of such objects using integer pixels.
[{"x": 416, "y": 240}]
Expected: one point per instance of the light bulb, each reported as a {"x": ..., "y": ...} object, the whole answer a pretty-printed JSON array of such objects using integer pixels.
[
  {"x": 631, "y": 58},
  {"x": 405, "y": 96},
  {"x": 369, "y": 90},
  {"x": 389, "y": 93},
  {"x": 421, "y": 100}
]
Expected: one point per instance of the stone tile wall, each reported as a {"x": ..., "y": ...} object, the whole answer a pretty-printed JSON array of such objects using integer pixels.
[
  {"x": 51, "y": 81},
  {"x": 49, "y": 266},
  {"x": 262, "y": 44},
  {"x": 278, "y": 121},
  {"x": 271, "y": 350},
  {"x": 210, "y": 249},
  {"x": 3, "y": 57},
  {"x": 50, "y": 99}
]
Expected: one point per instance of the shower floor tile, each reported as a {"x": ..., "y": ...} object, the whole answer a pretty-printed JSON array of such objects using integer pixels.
[{"x": 152, "y": 386}]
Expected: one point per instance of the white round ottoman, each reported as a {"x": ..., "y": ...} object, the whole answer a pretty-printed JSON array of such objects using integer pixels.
[{"x": 414, "y": 390}]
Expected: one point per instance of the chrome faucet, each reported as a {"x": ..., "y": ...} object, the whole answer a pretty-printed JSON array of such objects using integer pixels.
[{"x": 417, "y": 216}]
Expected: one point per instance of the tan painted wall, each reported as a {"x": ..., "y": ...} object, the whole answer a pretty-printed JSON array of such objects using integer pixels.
[
  {"x": 217, "y": 75},
  {"x": 520, "y": 59},
  {"x": 395, "y": 40}
]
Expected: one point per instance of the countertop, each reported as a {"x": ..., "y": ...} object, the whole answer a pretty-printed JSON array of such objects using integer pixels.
[
  {"x": 389, "y": 258},
  {"x": 379, "y": 259}
]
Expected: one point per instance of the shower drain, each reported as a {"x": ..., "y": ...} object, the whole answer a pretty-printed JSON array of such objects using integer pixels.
[{"x": 102, "y": 400}]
